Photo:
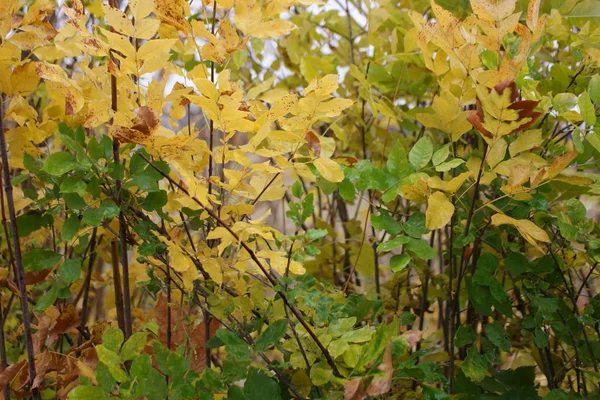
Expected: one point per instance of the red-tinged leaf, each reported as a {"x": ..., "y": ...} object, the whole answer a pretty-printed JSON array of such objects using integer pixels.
[
  {"x": 346, "y": 161},
  {"x": 31, "y": 278},
  {"x": 8, "y": 374},
  {"x": 525, "y": 108},
  {"x": 198, "y": 341},
  {"x": 413, "y": 337},
  {"x": 313, "y": 143},
  {"x": 382, "y": 384},
  {"x": 178, "y": 326},
  {"x": 353, "y": 390}
]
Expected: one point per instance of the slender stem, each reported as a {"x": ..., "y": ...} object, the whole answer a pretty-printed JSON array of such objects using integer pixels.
[
  {"x": 3, "y": 361},
  {"x": 211, "y": 124},
  {"x": 87, "y": 283},
  {"x": 19, "y": 270},
  {"x": 117, "y": 284}
]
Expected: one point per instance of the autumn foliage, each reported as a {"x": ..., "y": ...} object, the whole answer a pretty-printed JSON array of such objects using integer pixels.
[{"x": 307, "y": 199}]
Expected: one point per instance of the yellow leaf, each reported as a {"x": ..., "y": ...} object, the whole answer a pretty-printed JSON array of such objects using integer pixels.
[
  {"x": 117, "y": 20},
  {"x": 140, "y": 9},
  {"x": 525, "y": 141},
  {"x": 271, "y": 29},
  {"x": 146, "y": 28},
  {"x": 334, "y": 107},
  {"x": 493, "y": 10},
  {"x": 152, "y": 47},
  {"x": 174, "y": 13},
  {"x": 496, "y": 152},
  {"x": 329, "y": 169},
  {"x": 450, "y": 186},
  {"x": 530, "y": 231},
  {"x": 439, "y": 211},
  {"x": 178, "y": 260}
]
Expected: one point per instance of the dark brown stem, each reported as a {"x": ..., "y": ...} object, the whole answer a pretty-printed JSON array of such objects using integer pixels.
[
  {"x": 3, "y": 361},
  {"x": 19, "y": 270},
  {"x": 117, "y": 282},
  {"x": 87, "y": 283}
]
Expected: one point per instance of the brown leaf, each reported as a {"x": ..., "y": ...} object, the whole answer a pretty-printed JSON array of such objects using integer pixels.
[
  {"x": 382, "y": 384},
  {"x": 9, "y": 373},
  {"x": 39, "y": 338},
  {"x": 198, "y": 341},
  {"x": 178, "y": 326},
  {"x": 31, "y": 278},
  {"x": 353, "y": 390},
  {"x": 44, "y": 363},
  {"x": 67, "y": 320},
  {"x": 313, "y": 143}
]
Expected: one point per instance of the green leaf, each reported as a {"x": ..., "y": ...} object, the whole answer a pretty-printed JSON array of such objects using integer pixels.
[
  {"x": 59, "y": 163},
  {"x": 498, "y": 336},
  {"x": 576, "y": 210},
  {"x": 415, "y": 225},
  {"x": 361, "y": 335},
  {"x": 259, "y": 386},
  {"x": 70, "y": 271},
  {"x": 421, "y": 153},
  {"x": 69, "y": 228},
  {"x": 38, "y": 260},
  {"x": 112, "y": 339},
  {"x": 464, "y": 335},
  {"x": 516, "y": 263},
  {"x": 87, "y": 393},
  {"x": 475, "y": 365},
  {"x": 399, "y": 261},
  {"x": 92, "y": 217},
  {"x": 594, "y": 140},
  {"x": 74, "y": 201},
  {"x": 447, "y": 166},
  {"x": 384, "y": 222},
  {"x": 271, "y": 335},
  {"x": 134, "y": 346},
  {"x": 594, "y": 89},
  {"x": 421, "y": 248},
  {"x": 314, "y": 234},
  {"x": 47, "y": 299},
  {"x": 73, "y": 184},
  {"x": 430, "y": 393},
  {"x": 441, "y": 154},
  {"x": 585, "y": 11},
  {"x": 104, "y": 377},
  {"x": 347, "y": 190},
  {"x": 32, "y": 221},
  {"x": 141, "y": 367},
  {"x": 155, "y": 201},
  {"x": 586, "y": 108},
  {"x": 392, "y": 244},
  {"x": 376, "y": 346},
  {"x": 564, "y": 102},
  {"x": 112, "y": 361},
  {"x": 320, "y": 373},
  {"x": 109, "y": 210},
  {"x": 397, "y": 162}
]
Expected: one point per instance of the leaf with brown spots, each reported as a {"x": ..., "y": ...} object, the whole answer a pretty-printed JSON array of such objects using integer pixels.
[{"x": 144, "y": 125}]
